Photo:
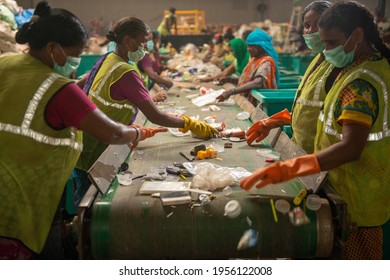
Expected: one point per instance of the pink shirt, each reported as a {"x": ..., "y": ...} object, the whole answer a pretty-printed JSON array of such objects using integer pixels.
[
  {"x": 68, "y": 107},
  {"x": 130, "y": 87}
]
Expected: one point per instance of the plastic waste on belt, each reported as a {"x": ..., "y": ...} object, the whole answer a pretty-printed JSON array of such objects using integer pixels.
[{"x": 207, "y": 98}]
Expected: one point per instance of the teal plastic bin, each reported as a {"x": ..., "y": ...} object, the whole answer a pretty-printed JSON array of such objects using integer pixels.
[
  {"x": 86, "y": 63},
  {"x": 292, "y": 85},
  {"x": 272, "y": 102},
  {"x": 301, "y": 62}
]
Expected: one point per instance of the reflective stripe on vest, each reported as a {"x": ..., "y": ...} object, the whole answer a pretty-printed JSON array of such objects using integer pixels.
[
  {"x": 95, "y": 93},
  {"x": 25, "y": 130},
  {"x": 328, "y": 128},
  {"x": 316, "y": 102}
]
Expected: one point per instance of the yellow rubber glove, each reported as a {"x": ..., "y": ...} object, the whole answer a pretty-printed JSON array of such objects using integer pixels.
[
  {"x": 260, "y": 129},
  {"x": 199, "y": 128},
  {"x": 282, "y": 171}
]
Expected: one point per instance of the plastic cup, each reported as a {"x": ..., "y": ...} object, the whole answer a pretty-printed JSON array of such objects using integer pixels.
[
  {"x": 227, "y": 191},
  {"x": 232, "y": 209},
  {"x": 282, "y": 205},
  {"x": 313, "y": 202}
]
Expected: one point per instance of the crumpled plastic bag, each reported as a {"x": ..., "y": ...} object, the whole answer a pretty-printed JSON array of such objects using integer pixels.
[{"x": 208, "y": 176}]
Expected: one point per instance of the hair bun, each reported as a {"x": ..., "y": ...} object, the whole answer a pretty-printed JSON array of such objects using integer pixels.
[
  {"x": 111, "y": 36},
  {"x": 42, "y": 9}
]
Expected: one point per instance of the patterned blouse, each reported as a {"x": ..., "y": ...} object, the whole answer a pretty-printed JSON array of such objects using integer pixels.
[{"x": 358, "y": 102}]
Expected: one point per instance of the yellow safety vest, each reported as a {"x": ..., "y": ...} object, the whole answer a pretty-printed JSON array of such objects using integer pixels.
[
  {"x": 363, "y": 184},
  {"x": 308, "y": 102},
  {"x": 111, "y": 70},
  {"x": 35, "y": 159}
]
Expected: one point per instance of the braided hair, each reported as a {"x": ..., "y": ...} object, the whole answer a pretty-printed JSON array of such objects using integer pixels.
[
  {"x": 346, "y": 17},
  {"x": 51, "y": 25},
  {"x": 130, "y": 26}
]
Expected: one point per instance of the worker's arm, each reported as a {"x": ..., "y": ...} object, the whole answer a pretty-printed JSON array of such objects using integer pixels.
[
  {"x": 156, "y": 116},
  {"x": 348, "y": 149},
  {"x": 157, "y": 78},
  {"x": 225, "y": 73},
  {"x": 256, "y": 83},
  {"x": 97, "y": 124}
]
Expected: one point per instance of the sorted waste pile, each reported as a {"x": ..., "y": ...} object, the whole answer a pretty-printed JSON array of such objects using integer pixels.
[{"x": 12, "y": 16}]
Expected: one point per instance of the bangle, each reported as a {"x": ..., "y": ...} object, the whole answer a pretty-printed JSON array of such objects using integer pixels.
[
  {"x": 138, "y": 131},
  {"x": 233, "y": 90}
]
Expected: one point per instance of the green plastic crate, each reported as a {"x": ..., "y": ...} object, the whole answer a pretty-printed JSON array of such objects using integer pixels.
[{"x": 272, "y": 102}]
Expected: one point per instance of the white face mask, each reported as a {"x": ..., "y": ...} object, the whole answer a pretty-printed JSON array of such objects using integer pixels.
[
  {"x": 71, "y": 64},
  {"x": 338, "y": 57},
  {"x": 137, "y": 55}
]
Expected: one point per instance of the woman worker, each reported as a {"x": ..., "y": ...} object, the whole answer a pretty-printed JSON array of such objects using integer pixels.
[
  {"x": 41, "y": 116},
  {"x": 311, "y": 91},
  {"x": 241, "y": 54},
  {"x": 261, "y": 70},
  {"x": 353, "y": 137},
  {"x": 116, "y": 88},
  {"x": 151, "y": 66}
]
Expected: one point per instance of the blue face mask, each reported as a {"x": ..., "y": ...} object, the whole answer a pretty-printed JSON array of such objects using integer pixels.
[
  {"x": 150, "y": 45},
  {"x": 71, "y": 64},
  {"x": 314, "y": 42},
  {"x": 338, "y": 57}
]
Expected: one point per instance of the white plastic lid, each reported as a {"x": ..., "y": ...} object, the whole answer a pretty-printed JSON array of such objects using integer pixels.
[
  {"x": 232, "y": 209},
  {"x": 313, "y": 202},
  {"x": 124, "y": 180}
]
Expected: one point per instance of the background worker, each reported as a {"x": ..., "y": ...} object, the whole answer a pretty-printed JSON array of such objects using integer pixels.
[
  {"x": 167, "y": 24},
  {"x": 353, "y": 140},
  {"x": 241, "y": 54},
  {"x": 311, "y": 91},
  {"x": 151, "y": 66},
  {"x": 261, "y": 70},
  {"x": 42, "y": 116},
  {"x": 116, "y": 88}
]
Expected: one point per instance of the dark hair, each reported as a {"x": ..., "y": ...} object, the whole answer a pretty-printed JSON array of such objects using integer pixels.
[
  {"x": 318, "y": 6},
  {"x": 155, "y": 33},
  {"x": 51, "y": 25},
  {"x": 246, "y": 33},
  {"x": 346, "y": 17},
  {"x": 126, "y": 26},
  {"x": 172, "y": 10}
]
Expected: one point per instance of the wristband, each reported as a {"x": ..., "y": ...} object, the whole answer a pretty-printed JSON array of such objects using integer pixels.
[
  {"x": 139, "y": 134},
  {"x": 233, "y": 90}
]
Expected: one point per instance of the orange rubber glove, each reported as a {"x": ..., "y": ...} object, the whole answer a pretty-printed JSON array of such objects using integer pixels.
[
  {"x": 260, "y": 129},
  {"x": 146, "y": 132},
  {"x": 199, "y": 128},
  {"x": 282, "y": 171}
]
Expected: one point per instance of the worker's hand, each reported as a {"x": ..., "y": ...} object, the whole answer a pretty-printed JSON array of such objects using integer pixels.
[
  {"x": 224, "y": 80},
  {"x": 224, "y": 96},
  {"x": 260, "y": 129},
  {"x": 282, "y": 171},
  {"x": 199, "y": 128},
  {"x": 160, "y": 96},
  {"x": 206, "y": 79},
  {"x": 168, "y": 83}
]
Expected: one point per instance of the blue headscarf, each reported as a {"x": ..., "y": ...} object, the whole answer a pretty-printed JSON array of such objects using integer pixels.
[{"x": 260, "y": 38}]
